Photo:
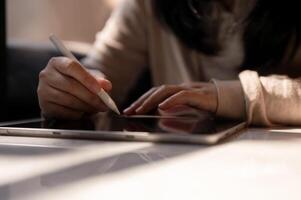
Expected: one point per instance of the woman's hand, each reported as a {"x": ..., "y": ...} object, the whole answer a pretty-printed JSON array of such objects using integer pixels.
[
  {"x": 198, "y": 95},
  {"x": 67, "y": 90}
]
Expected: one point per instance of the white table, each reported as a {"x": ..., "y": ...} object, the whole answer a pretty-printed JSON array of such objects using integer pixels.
[{"x": 258, "y": 164}]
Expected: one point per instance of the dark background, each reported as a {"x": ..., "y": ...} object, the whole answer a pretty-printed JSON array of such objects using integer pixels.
[
  {"x": 18, "y": 77},
  {"x": 2, "y": 51}
]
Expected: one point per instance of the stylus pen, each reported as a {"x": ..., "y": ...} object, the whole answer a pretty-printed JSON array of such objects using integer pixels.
[{"x": 102, "y": 94}]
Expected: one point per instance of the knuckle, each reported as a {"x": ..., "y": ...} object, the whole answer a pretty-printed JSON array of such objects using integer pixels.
[
  {"x": 53, "y": 61},
  {"x": 43, "y": 74},
  {"x": 60, "y": 62},
  {"x": 64, "y": 63},
  {"x": 70, "y": 64}
]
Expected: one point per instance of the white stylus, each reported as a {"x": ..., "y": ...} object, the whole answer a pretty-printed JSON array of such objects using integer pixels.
[{"x": 102, "y": 94}]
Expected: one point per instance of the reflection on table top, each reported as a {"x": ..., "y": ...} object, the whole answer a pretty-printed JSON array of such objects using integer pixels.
[{"x": 258, "y": 164}]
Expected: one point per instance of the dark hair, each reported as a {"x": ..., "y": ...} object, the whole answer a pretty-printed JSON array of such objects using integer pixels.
[
  {"x": 273, "y": 33},
  {"x": 269, "y": 29}
]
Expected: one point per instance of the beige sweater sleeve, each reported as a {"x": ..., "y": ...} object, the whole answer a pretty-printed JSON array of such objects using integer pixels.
[
  {"x": 120, "y": 50},
  {"x": 267, "y": 101},
  {"x": 272, "y": 100}
]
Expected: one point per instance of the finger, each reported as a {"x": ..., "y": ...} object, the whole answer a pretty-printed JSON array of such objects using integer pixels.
[
  {"x": 74, "y": 88},
  {"x": 69, "y": 101},
  {"x": 78, "y": 72},
  {"x": 195, "y": 84},
  {"x": 157, "y": 97},
  {"x": 188, "y": 97},
  {"x": 100, "y": 77},
  {"x": 131, "y": 110},
  {"x": 178, "y": 110},
  {"x": 61, "y": 112}
]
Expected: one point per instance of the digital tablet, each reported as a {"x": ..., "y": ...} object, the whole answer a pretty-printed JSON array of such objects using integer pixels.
[{"x": 201, "y": 129}]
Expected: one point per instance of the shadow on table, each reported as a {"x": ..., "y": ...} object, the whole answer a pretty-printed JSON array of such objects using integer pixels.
[
  {"x": 94, "y": 168},
  {"x": 29, "y": 151}
]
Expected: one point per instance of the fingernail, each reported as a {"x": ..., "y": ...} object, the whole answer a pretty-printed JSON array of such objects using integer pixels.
[
  {"x": 162, "y": 105},
  {"x": 127, "y": 110}
]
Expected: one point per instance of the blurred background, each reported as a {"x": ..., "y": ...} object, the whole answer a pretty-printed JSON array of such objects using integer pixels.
[
  {"x": 72, "y": 20},
  {"x": 28, "y": 25}
]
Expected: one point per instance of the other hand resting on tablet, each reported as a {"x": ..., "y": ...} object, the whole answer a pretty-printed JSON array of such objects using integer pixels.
[{"x": 199, "y": 95}]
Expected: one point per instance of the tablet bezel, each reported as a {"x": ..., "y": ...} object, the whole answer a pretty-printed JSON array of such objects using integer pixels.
[{"x": 208, "y": 139}]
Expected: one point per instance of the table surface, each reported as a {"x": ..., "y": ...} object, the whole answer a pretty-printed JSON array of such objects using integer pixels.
[{"x": 257, "y": 164}]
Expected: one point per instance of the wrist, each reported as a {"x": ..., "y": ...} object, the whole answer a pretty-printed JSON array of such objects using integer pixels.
[{"x": 230, "y": 99}]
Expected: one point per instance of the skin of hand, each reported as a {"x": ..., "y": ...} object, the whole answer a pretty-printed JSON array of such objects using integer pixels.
[
  {"x": 67, "y": 90},
  {"x": 199, "y": 95}
]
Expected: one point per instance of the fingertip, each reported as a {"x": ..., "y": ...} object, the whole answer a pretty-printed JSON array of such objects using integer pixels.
[
  {"x": 127, "y": 111},
  {"x": 164, "y": 105},
  {"x": 161, "y": 105},
  {"x": 105, "y": 84}
]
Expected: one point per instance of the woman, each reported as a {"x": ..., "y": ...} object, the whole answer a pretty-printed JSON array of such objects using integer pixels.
[{"x": 185, "y": 44}]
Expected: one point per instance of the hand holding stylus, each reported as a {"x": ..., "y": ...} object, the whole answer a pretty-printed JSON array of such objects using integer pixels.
[
  {"x": 67, "y": 90},
  {"x": 97, "y": 89}
]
